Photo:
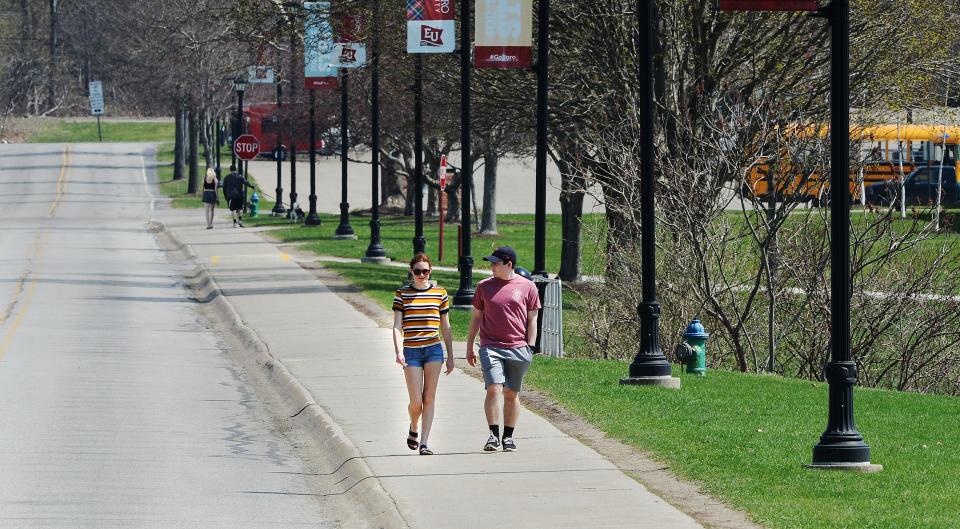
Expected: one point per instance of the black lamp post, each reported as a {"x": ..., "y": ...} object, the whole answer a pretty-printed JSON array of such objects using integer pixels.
[
  {"x": 650, "y": 366},
  {"x": 312, "y": 218},
  {"x": 375, "y": 252},
  {"x": 543, "y": 87},
  {"x": 841, "y": 445},
  {"x": 419, "y": 242},
  {"x": 240, "y": 86},
  {"x": 344, "y": 230},
  {"x": 294, "y": 132},
  {"x": 216, "y": 149},
  {"x": 464, "y": 296},
  {"x": 278, "y": 208}
]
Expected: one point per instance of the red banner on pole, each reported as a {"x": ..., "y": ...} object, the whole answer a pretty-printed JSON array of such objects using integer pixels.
[
  {"x": 320, "y": 83},
  {"x": 768, "y": 5}
]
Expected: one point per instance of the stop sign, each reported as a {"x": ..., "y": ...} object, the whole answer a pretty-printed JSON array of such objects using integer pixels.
[{"x": 247, "y": 147}]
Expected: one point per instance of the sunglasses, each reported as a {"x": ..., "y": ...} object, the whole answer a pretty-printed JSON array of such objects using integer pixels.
[{"x": 421, "y": 271}]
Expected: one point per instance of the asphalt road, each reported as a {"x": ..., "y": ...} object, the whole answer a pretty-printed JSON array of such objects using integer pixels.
[{"x": 119, "y": 405}]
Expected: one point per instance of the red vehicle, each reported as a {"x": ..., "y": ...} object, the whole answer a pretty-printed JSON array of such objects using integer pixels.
[{"x": 265, "y": 121}]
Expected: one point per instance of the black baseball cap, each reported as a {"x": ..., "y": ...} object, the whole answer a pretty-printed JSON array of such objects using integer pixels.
[{"x": 502, "y": 254}]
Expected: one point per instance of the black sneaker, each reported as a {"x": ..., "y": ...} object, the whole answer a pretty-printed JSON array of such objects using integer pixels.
[
  {"x": 508, "y": 444},
  {"x": 492, "y": 444}
]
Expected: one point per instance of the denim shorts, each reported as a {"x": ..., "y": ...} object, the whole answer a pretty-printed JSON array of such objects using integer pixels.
[{"x": 417, "y": 356}]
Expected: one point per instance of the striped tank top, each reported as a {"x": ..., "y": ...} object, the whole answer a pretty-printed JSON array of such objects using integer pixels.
[{"x": 421, "y": 314}]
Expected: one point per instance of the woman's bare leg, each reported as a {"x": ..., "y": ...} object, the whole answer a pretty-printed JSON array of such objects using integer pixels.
[
  {"x": 414, "y": 378},
  {"x": 431, "y": 374}
]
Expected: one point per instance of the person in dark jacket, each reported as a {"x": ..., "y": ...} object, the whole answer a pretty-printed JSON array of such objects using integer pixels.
[{"x": 233, "y": 192}]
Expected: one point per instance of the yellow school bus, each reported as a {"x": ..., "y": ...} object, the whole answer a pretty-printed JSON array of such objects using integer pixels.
[{"x": 887, "y": 152}]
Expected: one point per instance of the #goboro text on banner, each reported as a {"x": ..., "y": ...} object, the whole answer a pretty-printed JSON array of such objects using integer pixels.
[
  {"x": 321, "y": 56},
  {"x": 430, "y": 26},
  {"x": 504, "y": 34}
]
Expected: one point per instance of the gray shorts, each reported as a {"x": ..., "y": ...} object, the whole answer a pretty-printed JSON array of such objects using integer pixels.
[{"x": 505, "y": 366}]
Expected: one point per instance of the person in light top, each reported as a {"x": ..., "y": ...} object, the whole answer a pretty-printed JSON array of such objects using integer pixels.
[{"x": 420, "y": 317}]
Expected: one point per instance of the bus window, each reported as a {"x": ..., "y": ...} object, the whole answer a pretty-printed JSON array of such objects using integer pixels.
[
  {"x": 918, "y": 154},
  {"x": 897, "y": 153},
  {"x": 269, "y": 126}
]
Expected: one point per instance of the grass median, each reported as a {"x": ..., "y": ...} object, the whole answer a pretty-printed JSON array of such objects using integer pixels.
[{"x": 85, "y": 131}]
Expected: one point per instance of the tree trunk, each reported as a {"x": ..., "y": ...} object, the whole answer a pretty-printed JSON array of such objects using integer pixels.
[
  {"x": 180, "y": 143},
  {"x": 193, "y": 178},
  {"x": 54, "y": 58},
  {"x": 392, "y": 193},
  {"x": 571, "y": 214},
  {"x": 488, "y": 217},
  {"x": 431, "y": 208},
  {"x": 453, "y": 198},
  {"x": 207, "y": 130}
]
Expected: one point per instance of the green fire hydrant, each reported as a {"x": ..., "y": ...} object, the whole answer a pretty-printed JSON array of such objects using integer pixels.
[
  {"x": 693, "y": 349},
  {"x": 254, "y": 204}
]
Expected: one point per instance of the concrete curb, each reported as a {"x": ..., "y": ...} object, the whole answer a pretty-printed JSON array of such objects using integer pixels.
[{"x": 340, "y": 455}]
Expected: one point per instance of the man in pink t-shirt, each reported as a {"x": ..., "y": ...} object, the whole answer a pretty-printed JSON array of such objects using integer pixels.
[{"x": 505, "y": 310}]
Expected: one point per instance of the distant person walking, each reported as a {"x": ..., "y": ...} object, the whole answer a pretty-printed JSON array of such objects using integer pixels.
[
  {"x": 233, "y": 192},
  {"x": 505, "y": 310},
  {"x": 421, "y": 315},
  {"x": 210, "y": 199}
]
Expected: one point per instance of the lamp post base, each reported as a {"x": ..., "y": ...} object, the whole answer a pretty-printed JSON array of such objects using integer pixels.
[
  {"x": 343, "y": 237},
  {"x": 463, "y": 299},
  {"x": 374, "y": 260},
  {"x": 663, "y": 382},
  {"x": 312, "y": 220},
  {"x": 850, "y": 467},
  {"x": 278, "y": 210}
]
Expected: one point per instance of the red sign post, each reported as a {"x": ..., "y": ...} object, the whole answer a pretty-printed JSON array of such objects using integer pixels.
[
  {"x": 247, "y": 147},
  {"x": 768, "y": 5},
  {"x": 442, "y": 199}
]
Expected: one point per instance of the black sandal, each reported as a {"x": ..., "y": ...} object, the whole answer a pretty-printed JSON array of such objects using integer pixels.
[
  {"x": 424, "y": 451},
  {"x": 412, "y": 442}
]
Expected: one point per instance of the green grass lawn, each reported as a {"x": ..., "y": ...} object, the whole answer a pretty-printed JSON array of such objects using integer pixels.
[
  {"x": 379, "y": 283},
  {"x": 72, "y": 131},
  {"x": 746, "y": 437},
  {"x": 396, "y": 234}
]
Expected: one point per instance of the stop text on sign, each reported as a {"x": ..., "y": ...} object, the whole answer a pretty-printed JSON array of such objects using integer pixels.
[
  {"x": 246, "y": 147},
  {"x": 768, "y": 5}
]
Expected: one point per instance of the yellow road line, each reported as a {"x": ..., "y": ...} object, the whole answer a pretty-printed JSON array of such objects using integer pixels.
[
  {"x": 60, "y": 181},
  {"x": 39, "y": 246}
]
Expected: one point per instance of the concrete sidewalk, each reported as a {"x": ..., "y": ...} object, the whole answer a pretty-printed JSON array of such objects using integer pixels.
[{"x": 339, "y": 364}]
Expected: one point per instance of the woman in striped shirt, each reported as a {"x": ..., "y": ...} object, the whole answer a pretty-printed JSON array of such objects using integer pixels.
[{"x": 421, "y": 315}]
